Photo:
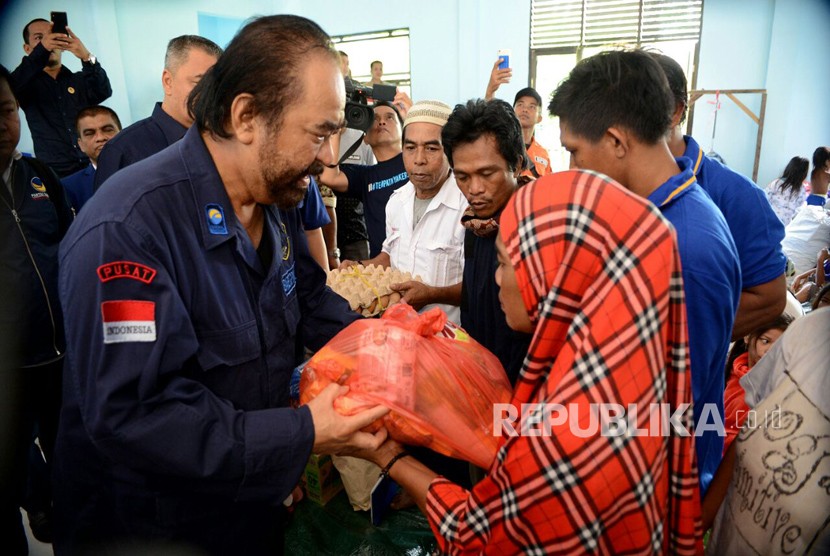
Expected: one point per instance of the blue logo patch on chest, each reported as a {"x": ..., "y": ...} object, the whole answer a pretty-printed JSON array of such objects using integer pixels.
[
  {"x": 289, "y": 280},
  {"x": 215, "y": 215}
]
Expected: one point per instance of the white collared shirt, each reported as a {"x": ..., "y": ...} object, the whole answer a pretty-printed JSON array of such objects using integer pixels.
[
  {"x": 434, "y": 248},
  {"x": 805, "y": 236}
]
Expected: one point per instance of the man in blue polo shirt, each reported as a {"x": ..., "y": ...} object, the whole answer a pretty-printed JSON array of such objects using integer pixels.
[
  {"x": 756, "y": 230},
  {"x": 614, "y": 112}
]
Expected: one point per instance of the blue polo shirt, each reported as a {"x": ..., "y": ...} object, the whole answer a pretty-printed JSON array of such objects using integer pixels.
[
  {"x": 374, "y": 185},
  {"x": 712, "y": 284},
  {"x": 182, "y": 346},
  {"x": 756, "y": 230}
]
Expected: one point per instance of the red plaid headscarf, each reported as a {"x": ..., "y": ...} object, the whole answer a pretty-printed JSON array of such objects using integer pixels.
[{"x": 600, "y": 276}]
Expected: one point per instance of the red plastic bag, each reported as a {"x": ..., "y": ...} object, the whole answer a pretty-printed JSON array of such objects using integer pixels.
[{"x": 439, "y": 383}]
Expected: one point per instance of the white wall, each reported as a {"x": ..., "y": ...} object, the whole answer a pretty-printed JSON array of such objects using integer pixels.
[
  {"x": 734, "y": 49},
  {"x": 453, "y": 42},
  {"x": 798, "y": 81},
  {"x": 778, "y": 45},
  {"x": 94, "y": 22}
]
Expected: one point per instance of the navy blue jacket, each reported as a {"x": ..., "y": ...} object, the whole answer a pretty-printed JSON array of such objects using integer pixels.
[
  {"x": 136, "y": 142},
  {"x": 51, "y": 106},
  {"x": 183, "y": 344},
  {"x": 148, "y": 136},
  {"x": 31, "y": 232},
  {"x": 78, "y": 187}
]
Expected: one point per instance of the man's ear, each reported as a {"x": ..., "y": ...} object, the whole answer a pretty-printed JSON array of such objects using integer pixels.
[
  {"x": 679, "y": 110},
  {"x": 27, "y": 49},
  {"x": 538, "y": 116},
  {"x": 243, "y": 121},
  {"x": 519, "y": 167},
  {"x": 618, "y": 141},
  {"x": 167, "y": 82}
]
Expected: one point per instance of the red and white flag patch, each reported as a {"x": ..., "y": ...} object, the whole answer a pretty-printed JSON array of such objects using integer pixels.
[{"x": 129, "y": 321}]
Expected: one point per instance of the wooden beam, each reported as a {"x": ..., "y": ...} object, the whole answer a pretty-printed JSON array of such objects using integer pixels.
[
  {"x": 760, "y": 137},
  {"x": 695, "y": 95},
  {"x": 743, "y": 107},
  {"x": 736, "y": 91}
]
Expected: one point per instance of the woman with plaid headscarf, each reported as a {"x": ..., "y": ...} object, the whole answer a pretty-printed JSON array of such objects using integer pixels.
[{"x": 593, "y": 272}]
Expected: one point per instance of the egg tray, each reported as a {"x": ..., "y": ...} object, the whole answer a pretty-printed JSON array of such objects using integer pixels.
[{"x": 368, "y": 288}]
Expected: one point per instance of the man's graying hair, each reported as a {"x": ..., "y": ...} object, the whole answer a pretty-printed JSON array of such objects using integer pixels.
[{"x": 179, "y": 47}]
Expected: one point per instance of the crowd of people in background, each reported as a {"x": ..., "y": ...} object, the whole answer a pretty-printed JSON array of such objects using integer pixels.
[{"x": 164, "y": 279}]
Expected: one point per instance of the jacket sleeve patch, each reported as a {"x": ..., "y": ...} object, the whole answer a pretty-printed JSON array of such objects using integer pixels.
[
  {"x": 126, "y": 269},
  {"x": 129, "y": 321}
]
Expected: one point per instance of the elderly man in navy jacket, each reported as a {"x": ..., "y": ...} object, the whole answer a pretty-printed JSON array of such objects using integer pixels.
[{"x": 185, "y": 283}]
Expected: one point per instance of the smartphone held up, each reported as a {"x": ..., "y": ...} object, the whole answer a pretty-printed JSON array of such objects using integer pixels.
[
  {"x": 59, "y": 22},
  {"x": 504, "y": 55}
]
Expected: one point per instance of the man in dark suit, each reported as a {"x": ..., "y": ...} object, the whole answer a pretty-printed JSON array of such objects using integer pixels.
[{"x": 95, "y": 126}]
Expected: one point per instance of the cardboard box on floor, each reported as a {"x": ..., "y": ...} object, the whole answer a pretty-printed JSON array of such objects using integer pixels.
[{"x": 322, "y": 481}]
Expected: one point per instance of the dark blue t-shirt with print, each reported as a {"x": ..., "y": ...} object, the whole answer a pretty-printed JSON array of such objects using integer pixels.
[{"x": 374, "y": 185}]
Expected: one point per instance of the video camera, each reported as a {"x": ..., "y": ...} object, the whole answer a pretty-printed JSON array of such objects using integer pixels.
[{"x": 360, "y": 114}]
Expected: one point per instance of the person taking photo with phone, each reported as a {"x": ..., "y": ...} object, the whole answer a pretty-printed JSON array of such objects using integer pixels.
[
  {"x": 528, "y": 107},
  {"x": 51, "y": 94}
]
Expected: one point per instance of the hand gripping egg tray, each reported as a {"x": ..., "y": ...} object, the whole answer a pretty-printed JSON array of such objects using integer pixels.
[{"x": 368, "y": 288}]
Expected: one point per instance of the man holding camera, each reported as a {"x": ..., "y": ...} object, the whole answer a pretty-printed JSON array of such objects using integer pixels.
[
  {"x": 51, "y": 95},
  {"x": 373, "y": 185}
]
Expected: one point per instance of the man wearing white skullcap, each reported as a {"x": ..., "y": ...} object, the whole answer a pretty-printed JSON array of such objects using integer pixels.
[{"x": 424, "y": 235}]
